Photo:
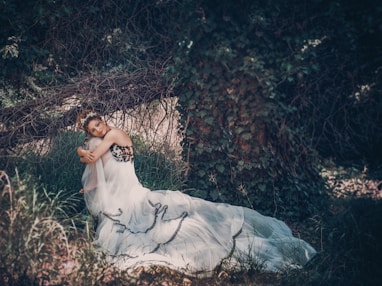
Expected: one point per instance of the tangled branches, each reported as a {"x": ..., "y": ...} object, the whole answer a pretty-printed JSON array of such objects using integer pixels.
[{"x": 58, "y": 108}]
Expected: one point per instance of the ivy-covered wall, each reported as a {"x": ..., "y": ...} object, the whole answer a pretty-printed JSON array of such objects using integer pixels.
[{"x": 243, "y": 70}]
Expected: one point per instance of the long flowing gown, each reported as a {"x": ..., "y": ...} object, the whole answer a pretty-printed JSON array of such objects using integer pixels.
[{"x": 138, "y": 226}]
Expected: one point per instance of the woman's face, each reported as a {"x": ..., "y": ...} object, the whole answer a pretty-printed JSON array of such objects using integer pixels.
[{"x": 97, "y": 128}]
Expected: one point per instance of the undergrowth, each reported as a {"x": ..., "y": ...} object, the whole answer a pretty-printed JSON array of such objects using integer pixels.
[{"x": 46, "y": 234}]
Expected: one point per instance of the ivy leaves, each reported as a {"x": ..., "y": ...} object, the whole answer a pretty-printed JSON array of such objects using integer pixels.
[{"x": 233, "y": 104}]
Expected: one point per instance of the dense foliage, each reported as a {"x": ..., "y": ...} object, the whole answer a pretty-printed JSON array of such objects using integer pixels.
[
  {"x": 54, "y": 40},
  {"x": 265, "y": 87},
  {"x": 265, "y": 84}
]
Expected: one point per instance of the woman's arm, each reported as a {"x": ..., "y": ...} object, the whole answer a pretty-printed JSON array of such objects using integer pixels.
[
  {"x": 82, "y": 152},
  {"x": 114, "y": 136},
  {"x": 86, "y": 156}
]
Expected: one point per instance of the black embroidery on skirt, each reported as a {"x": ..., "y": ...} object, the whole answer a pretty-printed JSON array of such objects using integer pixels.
[
  {"x": 234, "y": 242},
  {"x": 159, "y": 209},
  {"x": 123, "y": 255},
  {"x": 229, "y": 256},
  {"x": 184, "y": 215}
]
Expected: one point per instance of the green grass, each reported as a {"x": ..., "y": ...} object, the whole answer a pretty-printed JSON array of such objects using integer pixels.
[{"x": 46, "y": 233}]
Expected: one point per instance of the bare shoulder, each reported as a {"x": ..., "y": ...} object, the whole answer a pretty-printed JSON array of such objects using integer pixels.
[{"x": 118, "y": 136}]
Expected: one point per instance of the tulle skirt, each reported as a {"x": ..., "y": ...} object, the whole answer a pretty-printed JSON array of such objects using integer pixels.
[{"x": 138, "y": 226}]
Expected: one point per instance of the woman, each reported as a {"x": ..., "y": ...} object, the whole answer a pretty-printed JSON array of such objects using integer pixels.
[{"x": 138, "y": 226}]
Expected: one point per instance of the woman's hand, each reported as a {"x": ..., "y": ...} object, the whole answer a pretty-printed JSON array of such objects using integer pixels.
[
  {"x": 86, "y": 156},
  {"x": 81, "y": 151},
  {"x": 89, "y": 156}
]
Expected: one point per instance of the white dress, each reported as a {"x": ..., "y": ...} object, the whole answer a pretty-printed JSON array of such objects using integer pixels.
[{"x": 137, "y": 226}]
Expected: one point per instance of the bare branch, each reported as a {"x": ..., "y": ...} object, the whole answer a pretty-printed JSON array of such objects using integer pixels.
[{"x": 106, "y": 94}]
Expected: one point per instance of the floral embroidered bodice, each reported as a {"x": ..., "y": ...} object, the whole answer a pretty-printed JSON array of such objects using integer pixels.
[{"x": 122, "y": 153}]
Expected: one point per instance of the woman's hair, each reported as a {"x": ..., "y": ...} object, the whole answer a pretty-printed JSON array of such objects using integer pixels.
[{"x": 84, "y": 118}]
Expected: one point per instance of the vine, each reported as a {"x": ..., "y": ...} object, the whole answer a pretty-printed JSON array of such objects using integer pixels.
[{"x": 241, "y": 140}]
